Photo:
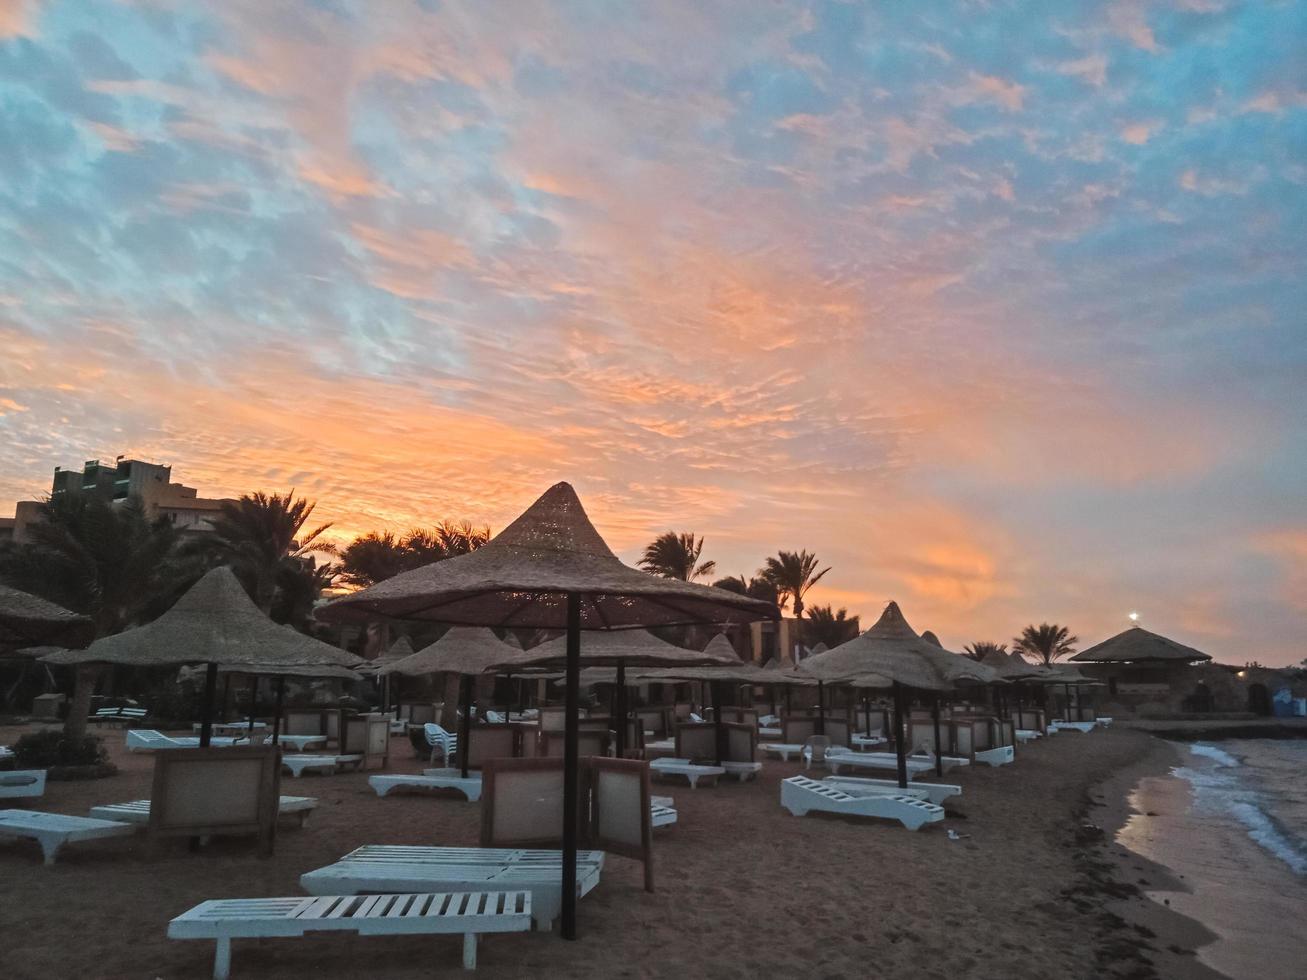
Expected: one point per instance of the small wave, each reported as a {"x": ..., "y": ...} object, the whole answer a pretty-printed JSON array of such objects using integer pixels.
[
  {"x": 1219, "y": 790},
  {"x": 1262, "y": 829},
  {"x": 1219, "y": 756}
]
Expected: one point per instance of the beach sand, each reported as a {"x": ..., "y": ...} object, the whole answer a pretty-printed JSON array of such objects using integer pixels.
[{"x": 743, "y": 888}]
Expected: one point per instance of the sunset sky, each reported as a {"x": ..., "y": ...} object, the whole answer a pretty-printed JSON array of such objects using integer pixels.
[{"x": 1000, "y": 308}]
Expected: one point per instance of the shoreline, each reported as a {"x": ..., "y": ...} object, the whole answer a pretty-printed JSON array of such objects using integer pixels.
[{"x": 1164, "y": 943}]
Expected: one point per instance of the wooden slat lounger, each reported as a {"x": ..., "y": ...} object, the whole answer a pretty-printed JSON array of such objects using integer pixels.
[
  {"x": 53, "y": 830},
  {"x": 684, "y": 767},
  {"x": 389, "y": 868},
  {"x": 799, "y": 795},
  {"x": 470, "y": 913},
  {"x": 859, "y": 785},
  {"x": 138, "y": 811}
]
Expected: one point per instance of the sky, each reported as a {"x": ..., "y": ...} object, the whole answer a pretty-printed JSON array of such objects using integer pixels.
[{"x": 1000, "y": 308}]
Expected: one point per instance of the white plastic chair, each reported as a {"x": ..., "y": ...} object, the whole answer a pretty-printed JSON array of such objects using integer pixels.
[
  {"x": 438, "y": 738},
  {"x": 815, "y": 748}
]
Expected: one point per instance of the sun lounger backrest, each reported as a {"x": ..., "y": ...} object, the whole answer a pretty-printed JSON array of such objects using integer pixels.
[
  {"x": 203, "y": 792},
  {"x": 521, "y": 802},
  {"x": 620, "y": 817},
  {"x": 491, "y": 742},
  {"x": 797, "y": 729},
  {"x": 654, "y": 719},
  {"x": 588, "y": 743},
  {"x": 421, "y": 712},
  {"x": 696, "y": 740},
  {"x": 304, "y": 721},
  {"x": 552, "y": 718}
]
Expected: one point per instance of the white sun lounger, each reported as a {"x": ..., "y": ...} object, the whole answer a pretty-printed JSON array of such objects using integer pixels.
[
  {"x": 431, "y": 779},
  {"x": 1028, "y": 735},
  {"x": 138, "y": 811},
  {"x": 663, "y": 811},
  {"x": 1103, "y": 720},
  {"x": 53, "y": 830},
  {"x": 768, "y": 731},
  {"x": 1084, "y": 727},
  {"x": 22, "y": 782},
  {"x": 329, "y": 764},
  {"x": 783, "y": 749},
  {"x": 799, "y": 795},
  {"x": 297, "y": 743},
  {"x": 867, "y": 741},
  {"x": 875, "y": 760},
  {"x": 1000, "y": 755},
  {"x": 469, "y": 913},
  {"x": 684, "y": 767},
  {"x": 859, "y": 785},
  {"x": 386, "y": 868},
  {"x": 149, "y": 740},
  {"x": 742, "y": 770}
]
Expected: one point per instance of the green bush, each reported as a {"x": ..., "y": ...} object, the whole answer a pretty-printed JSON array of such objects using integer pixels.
[{"x": 48, "y": 749}]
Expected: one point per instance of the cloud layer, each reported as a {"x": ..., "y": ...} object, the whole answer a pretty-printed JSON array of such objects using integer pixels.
[{"x": 1001, "y": 314}]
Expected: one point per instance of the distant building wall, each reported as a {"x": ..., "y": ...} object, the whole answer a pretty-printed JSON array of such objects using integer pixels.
[{"x": 1158, "y": 690}]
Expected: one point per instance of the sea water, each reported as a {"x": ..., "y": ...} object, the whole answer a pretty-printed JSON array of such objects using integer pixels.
[{"x": 1231, "y": 822}]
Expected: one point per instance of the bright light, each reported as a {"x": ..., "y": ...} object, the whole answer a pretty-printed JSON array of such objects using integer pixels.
[{"x": 1134, "y": 617}]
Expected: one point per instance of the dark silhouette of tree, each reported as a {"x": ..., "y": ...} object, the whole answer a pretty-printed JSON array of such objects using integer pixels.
[
  {"x": 982, "y": 648},
  {"x": 375, "y": 557},
  {"x": 1046, "y": 642},
  {"x": 793, "y": 573},
  {"x": 830, "y": 627},
  {"x": 674, "y": 555}
]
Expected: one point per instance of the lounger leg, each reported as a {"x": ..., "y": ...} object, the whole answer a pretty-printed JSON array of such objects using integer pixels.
[
  {"x": 222, "y": 959},
  {"x": 50, "y": 849},
  {"x": 469, "y": 950}
]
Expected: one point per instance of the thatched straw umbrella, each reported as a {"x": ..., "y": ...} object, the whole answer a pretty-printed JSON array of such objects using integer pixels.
[
  {"x": 620, "y": 649},
  {"x": 27, "y": 620},
  {"x": 1138, "y": 645},
  {"x": 321, "y": 672},
  {"x": 893, "y": 650},
  {"x": 549, "y": 569},
  {"x": 214, "y": 623},
  {"x": 401, "y": 648},
  {"x": 466, "y": 651}
]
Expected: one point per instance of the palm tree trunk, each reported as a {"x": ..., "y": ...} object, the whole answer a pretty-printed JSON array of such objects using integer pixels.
[{"x": 83, "y": 687}]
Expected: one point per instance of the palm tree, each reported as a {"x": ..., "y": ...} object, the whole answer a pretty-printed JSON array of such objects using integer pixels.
[
  {"x": 983, "y": 648},
  {"x": 673, "y": 555},
  {"x": 831, "y": 628},
  {"x": 793, "y": 574},
  {"x": 376, "y": 557},
  {"x": 299, "y": 586},
  {"x": 112, "y": 563},
  {"x": 1046, "y": 642},
  {"x": 258, "y": 535},
  {"x": 754, "y": 588}
]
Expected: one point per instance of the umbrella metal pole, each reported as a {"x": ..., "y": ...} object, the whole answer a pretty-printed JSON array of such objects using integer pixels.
[
  {"x": 900, "y": 750},
  {"x": 866, "y": 713},
  {"x": 254, "y": 699},
  {"x": 226, "y": 692},
  {"x": 571, "y": 780},
  {"x": 276, "y": 711},
  {"x": 820, "y": 727},
  {"x": 939, "y": 748},
  {"x": 465, "y": 726},
  {"x": 206, "y": 705},
  {"x": 1066, "y": 691},
  {"x": 621, "y": 711}
]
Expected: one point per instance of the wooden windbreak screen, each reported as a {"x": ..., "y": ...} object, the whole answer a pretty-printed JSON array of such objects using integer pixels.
[
  {"x": 207, "y": 792},
  {"x": 522, "y": 806}
]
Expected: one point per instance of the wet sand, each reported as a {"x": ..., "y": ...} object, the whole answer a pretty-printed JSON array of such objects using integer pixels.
[{"x": 743, "y": 888}]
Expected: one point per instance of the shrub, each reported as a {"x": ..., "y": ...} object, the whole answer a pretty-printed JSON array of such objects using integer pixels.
[{"x": 45, "y": 750}]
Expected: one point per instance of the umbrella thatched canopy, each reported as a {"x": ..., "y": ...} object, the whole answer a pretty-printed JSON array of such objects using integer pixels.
[
  {"x": 892, "y": 649},
  {"x": 930, "y": 637},
  {"x": 214, "y": 622},
  {"x": 463, "y": 650},
  {"x": 523, "y": 575},
  {"x": 28, "y": 620},
  {"x": 1010, "y": 666},
  {"x": 549, "y": 569},
  {"x": 1138, "y": 645},
  {"x": 619, "y": 648},
  {"x": 401, "y": 648}
]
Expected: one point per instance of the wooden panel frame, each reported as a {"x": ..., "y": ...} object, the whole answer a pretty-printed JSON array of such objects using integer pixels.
[
  {"x": 368, "y": 736},
  {"x": 642, "y": 852},
  {"x": 265, "y": 764},
  {"x": 476, "y": 754},
  {"x": 304, "y": 721},
  {"x": 589, "y": 743},
  {"x": 494, "y": 775}
]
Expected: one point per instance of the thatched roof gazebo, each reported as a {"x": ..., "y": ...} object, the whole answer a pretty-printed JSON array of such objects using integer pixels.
[
  {"x": 27, "y": 620},
  {"x": 1138, "y": 645},
  {"x": 214, "y": 623},
  {"x": 893, "y": 650},
  {"x": 549, "y": 569}
]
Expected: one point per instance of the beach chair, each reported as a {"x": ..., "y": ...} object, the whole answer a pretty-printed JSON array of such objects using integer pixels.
[
  {"x": 149, "y": 740},
  {"x": 298, "y": 743},
  {"x": 801, "y": 795},
  {"x": 860, "y": 785},
  {"x": 430, "y": 779},
  {"x": 200, "y": 793},
  {"x": 684, "y": 767},
  {"x": 22, "y": 782},
  {"x": 138, "y": 811},
  {"x": 471, "y": 913},
  {"x": 662, "y": 812},
  {"x": 53, "y": 830},
  {"x": 390, "y": 868},
  {"x": 782, "y": 749},
  {"x": 327, "y": 764},
  {"x": 916, "y": 765}
]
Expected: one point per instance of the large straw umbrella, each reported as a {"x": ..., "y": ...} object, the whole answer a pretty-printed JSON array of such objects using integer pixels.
[
  {"x": 467, "y": 651},
  {"x": 620, "y": 649},
  {"x": 893, "y": 650},
  {"x": 549, "y": 569},
  {"x": 27, "y": 620},
  {"x": 214, "y": 623}
]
